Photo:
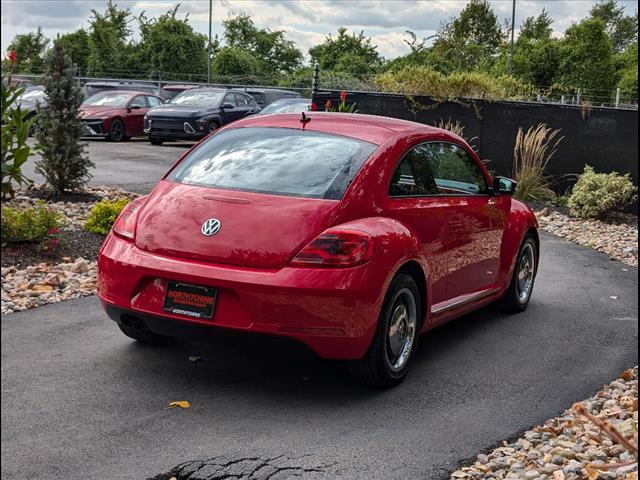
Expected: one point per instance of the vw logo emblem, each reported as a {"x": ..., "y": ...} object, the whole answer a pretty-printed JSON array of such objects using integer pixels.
[{"x": 210, "y": 227}]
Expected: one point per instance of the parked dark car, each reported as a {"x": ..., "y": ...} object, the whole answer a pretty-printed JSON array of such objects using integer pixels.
[
  {"x": 194, "y": 113},
  {"x": 91, "y": 88},
  {"x": 169, "y": 91},
  {"x": 287, "y": 105},
  {"x": 117, "y": 115},
  {"x": 266, "y": 96}
]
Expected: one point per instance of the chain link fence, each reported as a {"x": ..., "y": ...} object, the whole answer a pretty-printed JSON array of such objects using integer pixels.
[{"x": 329, "y": 81}]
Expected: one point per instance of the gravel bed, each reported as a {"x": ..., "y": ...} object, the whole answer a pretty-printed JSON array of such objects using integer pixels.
[
  {"x": 47, "y": 283},
  {"x": 74, "y": 206},
  {"x": 571, "y": 446},
  {"x": 617, "y": 238}
]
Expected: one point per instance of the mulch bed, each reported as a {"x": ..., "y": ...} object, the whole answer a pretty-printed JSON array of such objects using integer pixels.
[{"x": 75, "y": 243}]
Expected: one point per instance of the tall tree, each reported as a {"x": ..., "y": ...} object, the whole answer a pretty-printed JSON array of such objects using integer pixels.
[
  {"x": 30, "y": 51},
  {"x": 586, "y": 59},
  {"x": 232, "y": 61},
  {"x": 64, "y": 163},
  {"x": 622, "y": 29},
  {"x": 537, "y": 54},
  {"x": 108, "y": 40},
  {"x": 76, "y": 45},
  {"x": 418, "y": 53},
  {"x": 469, "y": 41},
  {"x": 270, "y": 47},
  {"x": 169, "y": 44},
  {"x": 351, "y": 53}
]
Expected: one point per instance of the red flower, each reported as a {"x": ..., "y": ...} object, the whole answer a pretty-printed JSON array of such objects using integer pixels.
[
  {"x": 13, "y": 57},
  {"x": 328, "y": 105},
  {"x": 53, "y": 231},
  {"x": 313, "y": 107},
  {"x": 343, "y": 96}
]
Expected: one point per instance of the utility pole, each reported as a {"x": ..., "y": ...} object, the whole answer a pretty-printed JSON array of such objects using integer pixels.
[
  {"x": 513, "y": 26},
  {"x": 209, "y": 45}
]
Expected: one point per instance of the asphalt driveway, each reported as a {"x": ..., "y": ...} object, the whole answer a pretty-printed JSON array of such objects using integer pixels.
[
  {"x": 81, "y": 401},
  {"x": 135, "y": 165}
]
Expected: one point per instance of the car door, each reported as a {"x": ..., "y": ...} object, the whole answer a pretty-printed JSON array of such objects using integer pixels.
[
  {"x": 475, "y": 222},
  {"x": 412, "y": 199},
  {"x": 134, "y": 120},
  {"x": 230, "y": 113}
]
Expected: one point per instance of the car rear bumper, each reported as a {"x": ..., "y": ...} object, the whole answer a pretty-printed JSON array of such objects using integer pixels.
[{"x": 333, "y": 311}]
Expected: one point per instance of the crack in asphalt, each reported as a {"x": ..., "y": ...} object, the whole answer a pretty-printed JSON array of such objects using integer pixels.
[{"x": 224, "y": 467}]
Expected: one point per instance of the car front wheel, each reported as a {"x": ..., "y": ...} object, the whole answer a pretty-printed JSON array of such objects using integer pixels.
[
  {"x": 396, "y": 339},
  {"x": 517, "y": 297},
  {"x": 116, "y": 131}
]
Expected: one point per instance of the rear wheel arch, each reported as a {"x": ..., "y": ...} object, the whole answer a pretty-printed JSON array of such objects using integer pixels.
[
  {"x": 415, "y": 270},
  {"x": 533, "y": 232}
]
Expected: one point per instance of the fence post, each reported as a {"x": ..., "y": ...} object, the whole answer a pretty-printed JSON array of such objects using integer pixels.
[
  {"x": 617, "y": 97},
  {"x": 562, "y": 100},
  {"x": 316, "y": 75},
  {"x": 578, "y": 95},
  {"x": 159, "y": 81}
]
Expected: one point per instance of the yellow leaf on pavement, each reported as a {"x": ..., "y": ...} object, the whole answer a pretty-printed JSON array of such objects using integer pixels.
[{"x": 181, "y": 404}]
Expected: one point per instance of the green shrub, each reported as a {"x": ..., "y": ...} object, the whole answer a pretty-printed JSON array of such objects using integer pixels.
[
  {"x": 33, "y": 224},
  {"x": 419, "y": 80},
  {"x": 103, "y": 214},
  {"x": 597, "y": 194},
  {"x": 15, "y": 131}
]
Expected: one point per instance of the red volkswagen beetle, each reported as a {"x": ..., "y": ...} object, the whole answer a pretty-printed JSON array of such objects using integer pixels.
[
  {"x": 117, "y": 114},
  {"x": 350, "y": 233}
]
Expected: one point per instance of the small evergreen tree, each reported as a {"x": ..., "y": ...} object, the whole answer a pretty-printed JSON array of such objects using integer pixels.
[{"x": 64, "y": 163}]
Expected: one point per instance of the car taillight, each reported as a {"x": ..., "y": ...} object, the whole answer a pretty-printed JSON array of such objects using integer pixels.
[
  {"x": 336, "y": 248},
  {"x": 125, "y": 224}
]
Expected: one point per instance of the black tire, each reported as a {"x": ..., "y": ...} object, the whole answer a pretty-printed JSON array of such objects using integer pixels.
[
  {"x": 212, "y": 127},
  {"x": 139, "y": 332},
  {"x": 376, "y": 368},
  {"x": 116, "y": 131},
  {"x": 517, "y": 297},
  {"x": 155, "y": 141}
]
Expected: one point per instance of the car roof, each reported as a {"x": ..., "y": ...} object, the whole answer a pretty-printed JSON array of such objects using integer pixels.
[
  {"x": 268, "y": 90},
  {"x": 179, "y": 86},
  {"x": 370, "y": 128},
  {"x": 131, "y": 93},
  {"x": 122, "y": 84}
]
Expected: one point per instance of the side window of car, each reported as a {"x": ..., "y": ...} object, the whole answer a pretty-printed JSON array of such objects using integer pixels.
[
  {"x": 139, "y": 101},
  {"x": 230, "y": 98},
  {"x": 154, "y": 101},
  {"x": 241, "y": 100},
  {"x": 413, "y": 175},
  {"x": 454, "y": 170}
]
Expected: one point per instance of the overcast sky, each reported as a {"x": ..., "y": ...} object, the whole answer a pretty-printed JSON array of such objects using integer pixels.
[{"x": 306, "y": 22}]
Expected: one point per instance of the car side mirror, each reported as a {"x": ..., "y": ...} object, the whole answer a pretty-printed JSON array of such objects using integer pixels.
[
  {"x": 226, "y": 106},
  {"x": 504, "y": 186}
]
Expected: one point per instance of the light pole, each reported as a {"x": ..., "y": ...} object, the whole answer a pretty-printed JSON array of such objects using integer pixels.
[
  {"x": 209, "y": 45},
  {"x": 513, "y": 26}
]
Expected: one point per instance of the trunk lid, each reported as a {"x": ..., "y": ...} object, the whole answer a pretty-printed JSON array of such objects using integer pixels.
[{"x": 256, "y": 230}]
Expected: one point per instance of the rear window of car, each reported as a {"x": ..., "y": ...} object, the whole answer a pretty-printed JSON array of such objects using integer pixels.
[{"x": 279, "y": 161}]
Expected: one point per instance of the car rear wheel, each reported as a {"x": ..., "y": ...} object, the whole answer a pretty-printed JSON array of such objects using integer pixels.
[
  {"x": 155, "y": 141},
  {"x": 517, "y": 297},
  {"x": 116, "y": 131},
  {"x": 387, "y": 361},
  {"x": 137, "y": 330}
]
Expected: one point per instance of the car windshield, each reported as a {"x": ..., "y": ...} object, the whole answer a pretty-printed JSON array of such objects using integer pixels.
[
  {"x": 198, "y": 97},
  {"x": 107, "y": 99},
  {"x": 278, "y": 161},
  {"x": 286, "y": 107}
]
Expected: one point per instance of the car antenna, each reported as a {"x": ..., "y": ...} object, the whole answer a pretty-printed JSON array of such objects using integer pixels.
[{"x": 304, "y": 120}]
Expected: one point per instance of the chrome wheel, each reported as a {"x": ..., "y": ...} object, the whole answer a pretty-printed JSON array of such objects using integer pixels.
[
  {"x": 401, "y": 329},
  {"x": 526, "y": 272}
]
